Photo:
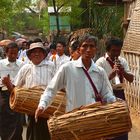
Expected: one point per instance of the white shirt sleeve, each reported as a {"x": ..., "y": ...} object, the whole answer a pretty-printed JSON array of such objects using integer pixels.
[{"x": 56, "y": 84}]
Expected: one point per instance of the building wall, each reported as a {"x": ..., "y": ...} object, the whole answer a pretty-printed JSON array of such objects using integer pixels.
[{"x": 63, "y": 23}]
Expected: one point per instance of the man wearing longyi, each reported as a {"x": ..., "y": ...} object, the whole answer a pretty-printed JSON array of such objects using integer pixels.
[
  {"x": 84, "y": 81},
  {"x": 10, "y": 121},
  {"x": 37, "y": 73}
]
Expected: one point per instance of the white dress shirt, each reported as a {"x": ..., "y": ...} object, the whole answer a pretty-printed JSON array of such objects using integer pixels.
[
  {"x": 9, "y": 68},
  {"x": 31, "y": 75},
  {"x": 78, "y": 88},
  {"x": 59, "y": 60},
  {"x": 106, "y": 66}
]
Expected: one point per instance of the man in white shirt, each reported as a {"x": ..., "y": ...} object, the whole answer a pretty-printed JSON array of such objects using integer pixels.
[
  {"x": 72, "y": 76},
  {"x": 38, "y": 73},
  {"x": 121, "y": 68},
  {"x": 60, "y": 57},
  {"x": 113, "y": 69},
  {"x": 10, "y": 122}
]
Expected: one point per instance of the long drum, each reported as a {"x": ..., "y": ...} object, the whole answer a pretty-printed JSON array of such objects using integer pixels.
[
  {"x": 25, "y": 100},
  {"x": 93, "y": 122}
]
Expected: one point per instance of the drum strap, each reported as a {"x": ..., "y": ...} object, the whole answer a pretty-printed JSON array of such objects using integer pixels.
[{"x": 98, "y": 97}]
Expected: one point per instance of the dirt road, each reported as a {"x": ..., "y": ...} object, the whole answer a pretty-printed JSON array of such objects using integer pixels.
[
  {"x": 133, "y": 135},
  {"x": 135, "y": 132}
]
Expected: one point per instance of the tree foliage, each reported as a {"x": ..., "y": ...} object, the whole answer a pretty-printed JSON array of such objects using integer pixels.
[
  {"x": 19, "y": 15},
  {"x": 6, "y": 14},
  {"x": 102, "y": 19}
]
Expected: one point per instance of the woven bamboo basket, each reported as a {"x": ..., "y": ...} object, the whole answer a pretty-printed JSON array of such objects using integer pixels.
[
  {"x": 93, "y": 122},
  {"x": 25, "y": 100}
]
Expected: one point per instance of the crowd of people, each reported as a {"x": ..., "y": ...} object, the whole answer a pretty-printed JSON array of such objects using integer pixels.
[{"x": 35, "y": 63}]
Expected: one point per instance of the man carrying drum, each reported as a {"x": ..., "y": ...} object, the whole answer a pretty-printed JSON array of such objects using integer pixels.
[
  {"x": 84, "y": 81},
  {"x": 38, "y": 73}
]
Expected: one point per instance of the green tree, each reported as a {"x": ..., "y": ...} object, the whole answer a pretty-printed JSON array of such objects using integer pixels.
[
  {"x": 102, "y": 19},
  {"x": 6, "y": 14}
]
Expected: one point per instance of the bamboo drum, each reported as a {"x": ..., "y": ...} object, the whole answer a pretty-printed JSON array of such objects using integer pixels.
[
  {"x": 25, "y": 100},
  {"x": 93, "y": 122}
]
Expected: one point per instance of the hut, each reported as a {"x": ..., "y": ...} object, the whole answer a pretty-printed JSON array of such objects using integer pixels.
[
  {"x": 131, "y": 47},
  {"x": 131, "y": 51}
]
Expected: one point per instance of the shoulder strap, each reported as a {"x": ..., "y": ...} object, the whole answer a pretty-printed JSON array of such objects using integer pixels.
[
  {"x": 97, "y": 95},
  {"x": 110, "y": 62}
]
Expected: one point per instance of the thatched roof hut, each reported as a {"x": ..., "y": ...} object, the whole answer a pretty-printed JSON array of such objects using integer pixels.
[
  {"x": 132, "y": 37},
  {"x": 131, "y": 51}
]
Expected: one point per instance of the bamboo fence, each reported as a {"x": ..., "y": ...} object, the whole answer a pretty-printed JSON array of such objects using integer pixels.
[
  {"x": 131, "y": 51},
  {"x": 132, "y": 90}
]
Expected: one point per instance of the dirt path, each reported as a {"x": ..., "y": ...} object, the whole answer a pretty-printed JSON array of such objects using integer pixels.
[{"x": 135, "y": 132}]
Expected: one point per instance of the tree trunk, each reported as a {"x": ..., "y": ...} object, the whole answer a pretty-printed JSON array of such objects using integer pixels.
[{"x": 57, "y": 18}]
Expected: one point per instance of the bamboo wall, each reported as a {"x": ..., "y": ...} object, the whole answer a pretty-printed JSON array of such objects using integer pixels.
[
  {"x": 132, "y": 90},
  {"x": 131, "y": 51}
]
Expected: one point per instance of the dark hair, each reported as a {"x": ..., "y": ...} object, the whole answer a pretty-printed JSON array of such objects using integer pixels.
[
  {"x": 37, "y": 40},
  {"x": 74, "y": 45},
  {"x": 53, "y": 46},
  {"x": 113, "y": 42},
  {"x": 29, "y": 42},
  {"x": 11, "y": 45},
  {"x": 87, "y": 37},
  {"x": 62, "y": 43}
]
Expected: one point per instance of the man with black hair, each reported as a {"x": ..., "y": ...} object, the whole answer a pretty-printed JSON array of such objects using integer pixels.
[
  {"x": 79, "y": 92},
  {"x": 121, "y": 68},
  {"x": 60, "y": 57},
  {"x": 37, "y": 73},
  {"x": 10, "y": 121},
  {"x": 117, "y": 69}
]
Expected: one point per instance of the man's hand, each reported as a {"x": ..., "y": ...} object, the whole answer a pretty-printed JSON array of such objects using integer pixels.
[
  {"x": 112, "y": 74},
  {"x": 118, "y": 68},
  {"x": 38, "y": 111},
  {"x": 6, "y": 81}
]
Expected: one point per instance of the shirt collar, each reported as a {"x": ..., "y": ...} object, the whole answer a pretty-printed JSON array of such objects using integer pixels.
[
  {"x": 43, "y": 62},
  {"x": 79, "y": 63},
  {"x": 7, "y": 62},
  {"x": 107, "y": 56}
]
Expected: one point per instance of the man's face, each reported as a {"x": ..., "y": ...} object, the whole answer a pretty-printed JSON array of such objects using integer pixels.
[
  {"x": 60, "y": 49},
  {"x": 37, "y": 56},
  {"x": 88, "y": 49},
  {"x": 114, "y": 52},
  {"x": 12, "y": 54}
]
